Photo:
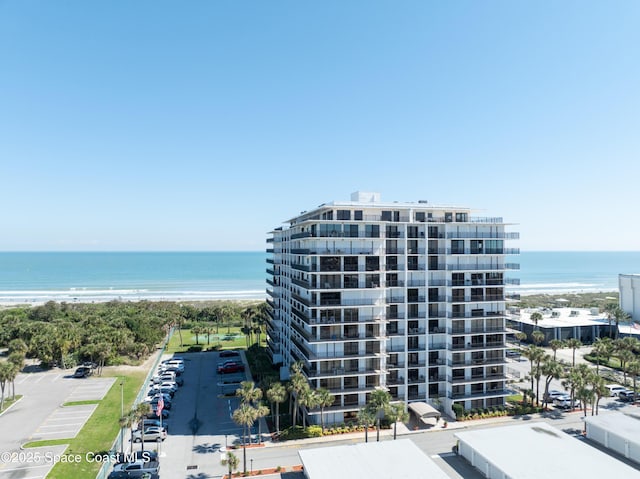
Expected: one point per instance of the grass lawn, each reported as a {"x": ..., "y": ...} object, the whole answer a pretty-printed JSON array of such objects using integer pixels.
[
  {"x": 9, "y": 401},
  {"x": 234, "y": 339},
  {"x": 99, "y": 432}
]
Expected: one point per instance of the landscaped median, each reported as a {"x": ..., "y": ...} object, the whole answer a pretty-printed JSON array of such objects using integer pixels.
[{"x": 82, "y": 458}]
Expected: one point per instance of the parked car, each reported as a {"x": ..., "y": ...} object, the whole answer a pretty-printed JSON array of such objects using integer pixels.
[
  {"x": 153, "y": 400},
  {"x": 154, "y": 414},
  {"x": 230, "y": 367},
  {"x": 564, "y": 402},
  {"x": 626, "y": 396},
  {"x": 229, "y": 354},
  {"x": 172, "y": 378},
  {"x": 554, "y": 393},
  {"x": 155, "y": 422},
  {"x": 155, "y": 390},
  {"x": 139, "y": 466},
  {"x": 171, "y": 385},
  {"x": 614, "y": 389},
  {"x": 151, "y": 433},
  {"x": 171, "y": 369},
  {"x": 136, "y": 456},
  {"x": 133, "y": 475},
  {"x": 83, "y": 372}
]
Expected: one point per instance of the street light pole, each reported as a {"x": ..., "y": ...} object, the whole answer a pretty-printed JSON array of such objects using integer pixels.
[{"x": 122, "y": 415}]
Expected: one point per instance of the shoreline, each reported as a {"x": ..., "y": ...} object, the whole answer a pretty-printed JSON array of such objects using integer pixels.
[{"x": 13, "y": 299}]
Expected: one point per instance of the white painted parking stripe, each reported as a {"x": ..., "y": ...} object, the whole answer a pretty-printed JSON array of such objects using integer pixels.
[
  {"x": 58, "y": 432},
  {"x": 26, "y": 468},
  {"x": 65, "y": 424},
  {"x": 40, "y": 379}
]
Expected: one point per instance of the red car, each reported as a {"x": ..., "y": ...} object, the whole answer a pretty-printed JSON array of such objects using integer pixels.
[{"x": 230, "y": 367}]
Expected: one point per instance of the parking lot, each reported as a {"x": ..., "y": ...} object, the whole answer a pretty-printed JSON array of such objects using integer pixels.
[
  {"x": 200, "y": 422},
  {"x": 40, "y": 415}
]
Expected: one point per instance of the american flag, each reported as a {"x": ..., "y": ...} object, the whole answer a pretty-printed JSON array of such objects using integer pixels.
[{"x": 160, "y": 405}]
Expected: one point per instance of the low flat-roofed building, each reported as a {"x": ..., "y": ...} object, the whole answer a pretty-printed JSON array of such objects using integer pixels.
[
  {"x": 534, "y": 451},
  {"x": 400, "y": 459},
  {"x": 561, "y": 323},
  {"x": 616, "y": 431}
]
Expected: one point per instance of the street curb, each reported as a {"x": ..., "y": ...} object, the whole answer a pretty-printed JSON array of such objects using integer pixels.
[{"x": 12, "y": 404}]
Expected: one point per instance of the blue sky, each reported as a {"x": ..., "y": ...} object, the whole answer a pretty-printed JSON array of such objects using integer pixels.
[{"x": 157, "y": 125}]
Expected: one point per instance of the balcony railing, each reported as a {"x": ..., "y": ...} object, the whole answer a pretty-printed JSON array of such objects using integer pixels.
[
  {"x": 488, "y": 393},
  {"x": 476, "y": 362},
  {"x": 482, "y": 235}
]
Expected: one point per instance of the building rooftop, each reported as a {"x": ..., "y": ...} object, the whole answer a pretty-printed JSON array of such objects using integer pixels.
[
  {"x": 532, "y": 451},
  {"x": 623, "y": 425},
  {"x": 562, "y": 317},
  {"x": 400, "y": 459}
]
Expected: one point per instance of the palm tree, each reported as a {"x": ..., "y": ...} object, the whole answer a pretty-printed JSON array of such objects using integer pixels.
[
  {"x": 325, "y": 399},
  {"x": 520, "y": 336},
  {"x": 634, "y": 369},
  {"x": 379, "y": 402},
  {"x": 625, "y": 356},
  {"x": 232, "y": 461},
  {"x": 535, "y": 317},
  {"x": 197, "y": 330},
  {"x": 537, "y": 337},
  {"x": 17, "y": 359},
  {"x": 556, "y": 344},
  {"x": 308, "y": 400},
  {"x": 5, "y": 375},
  {"x": 245, "y": 416},
  {"x": 366, "y": 418},
  {"x": 261, "y": 411},
  {"x": 141, "y": 411},
  {"x": 277, "y": 394},
  {"x": 610, "y": 310},
  {"x": 573, "y": 344},
  {"x": 535, "y": 355},
  {"x": 552, "y": 370},
  {"x": 599, "y": 390},
  {"x": 248, "y": 393},
  {"x": 297, "y": 384},
  {"x": 397, "y": 413},
  {"x": 602, "y": 348},
  {"x": 127, "y": 421}
]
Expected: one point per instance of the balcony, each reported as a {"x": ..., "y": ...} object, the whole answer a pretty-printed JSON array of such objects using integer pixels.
[
  {"x": 416, "y": 331},
  {"x": 302, "y": 283},
  {"x": 478, "y": 267},
  {"x": 479, "y": 330},
  {"x": 476, "y": 362},
  {"x": 301, "y": 267},
  {"x": 476, "y": 395},
  {"x": 437, "y": 346},
  {"x": 437, "y": 330},
  {"x": 394, "y": 299},
  {"x": 482, "y": 235},
  {"x": 415, "y": 299}
]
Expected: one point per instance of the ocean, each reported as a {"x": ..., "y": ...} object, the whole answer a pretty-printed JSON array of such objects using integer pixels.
[{"x": 86, "y": 277}]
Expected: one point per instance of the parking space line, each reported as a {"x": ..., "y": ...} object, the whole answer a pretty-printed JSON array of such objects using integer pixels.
[{"x": 60, "y": 432}]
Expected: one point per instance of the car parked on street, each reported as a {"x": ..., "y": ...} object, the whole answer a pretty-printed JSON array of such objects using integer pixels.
[
  {"x": 564, "y": 402},
  {"x": 83, "y": 372}
]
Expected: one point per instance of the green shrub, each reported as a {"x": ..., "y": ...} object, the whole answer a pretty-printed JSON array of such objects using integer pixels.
[{"x": 314, "y": 431}]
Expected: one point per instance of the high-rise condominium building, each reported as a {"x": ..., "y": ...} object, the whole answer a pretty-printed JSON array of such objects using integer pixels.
[{"x": 408, "y": 297}]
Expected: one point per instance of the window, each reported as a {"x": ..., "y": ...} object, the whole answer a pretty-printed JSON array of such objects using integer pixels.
[
  {"x": 372, "y": 231},
  {"x": 461, "y": 217},
  {"x": 351, "y": 263},
  {"x": 351, "y": 231},
  {"x": 372, "y": 263},
  {"x": 420, "y": 216},
  {"x": 357, "y": 215},
  {"x": 448, "y": 217},
  {"x": 457, "y": 246},
  {"x": 386, "y": 216},
  {"x": 344, "y": 215}
]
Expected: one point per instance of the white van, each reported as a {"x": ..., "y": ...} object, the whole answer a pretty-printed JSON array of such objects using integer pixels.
[{"x": 614, "y": 389}]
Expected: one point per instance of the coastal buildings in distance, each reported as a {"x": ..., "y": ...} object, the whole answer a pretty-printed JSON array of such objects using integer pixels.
[{"x": 409, "y": 297}]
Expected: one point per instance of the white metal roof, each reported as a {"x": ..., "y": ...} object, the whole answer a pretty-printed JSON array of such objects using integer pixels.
[
  {"x": 400, "y": 459},
  {"x": 562, "y": 317},
  {"x": 626, "y": 426},
  {"x": 537, "y": 450}
]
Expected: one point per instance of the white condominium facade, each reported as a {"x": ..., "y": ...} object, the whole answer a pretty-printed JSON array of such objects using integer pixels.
[{"x": 408, "y": 297}]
